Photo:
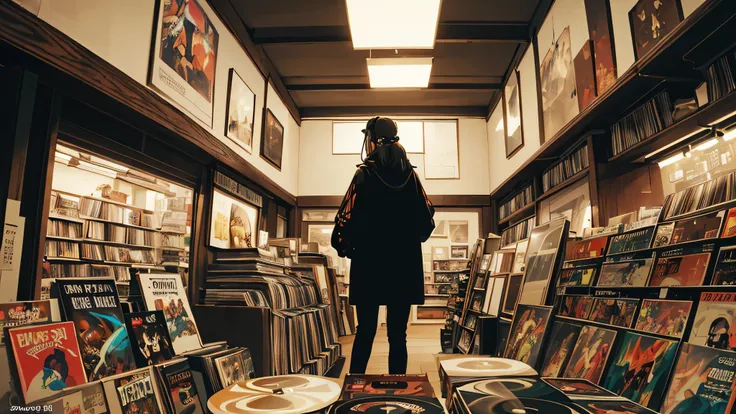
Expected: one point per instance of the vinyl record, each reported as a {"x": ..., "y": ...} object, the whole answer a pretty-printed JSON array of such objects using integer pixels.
[
  {"x": 495, "y": 405},
  {"x": 285, "y": 394},
  {"x": 387, "y": 404},
  {"x": 503, "y": 387},
  {"x": 486, "y": 367}
]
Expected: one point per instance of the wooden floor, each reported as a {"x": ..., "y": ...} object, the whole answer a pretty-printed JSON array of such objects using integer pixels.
[{"x": 423, "y": 343}]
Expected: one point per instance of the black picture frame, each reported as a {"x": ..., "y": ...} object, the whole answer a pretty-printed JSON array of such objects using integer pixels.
[
  {"x": 510, "y": 152},
  {"x": 231, "y": 76},
  {"x": 641, "y": 51},
  {"x": 268, "y": 150}
]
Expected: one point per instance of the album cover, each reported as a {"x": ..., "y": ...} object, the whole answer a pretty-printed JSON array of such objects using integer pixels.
[
  {"x": 580, "y": 388},
  {"x": 729, "y": 229},
  {"x": 590, "y": 354},
  {"x": 165, "y": 292},
  {"x": 577, "y": 276},
  {"x": 179, "y": 388},
  {"x": 664, "y": 317},
  {"x": 559, "y": 349},
  {"x": 364, "y": 385},
  {"x": 94, "y": 307},
  {"x": 388, "y": 404},
  {"x": 704, "y": 382},
  {"x": 688, "y": 270},
  {"x": 527, "y": 333},
  {"x": 725, "y": 270},
  {"x": 715, "y": 321},
  {"x": 520, "y": 257},
  {"x": 511, "y": 395},
  {"x": 150, "y": 338},
  {"x": 590, "y": 248},
  {"x": 47, "y": 359},
  {"x": 663, "y": 236},
  {"x": 613, "y": 406},
  {"x": 231, "y": 369},
  {"x": 611, "y": 311},
  {"x": 134, "y": 392},
  {"x": 640, "y": 369},
  {"x": 697, "y": 228},
  {"x": 626, "y": 273},
  {"x": 14, "y": 314},
  {"x": 93, "y": 397},
  {"x": 576, "y": 306},
  {"x": 651, "y": 21},
  {"x": 70, "y": 403},
  {"x": 631, "y": 242},
  {"x": 585, "y": 76},
  {"x": 541, "y": 260}
]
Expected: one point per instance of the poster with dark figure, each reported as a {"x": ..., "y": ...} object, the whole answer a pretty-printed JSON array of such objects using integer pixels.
[
  {"x": 272, "y": 143},
  {"x": 150, "y": 337},
  {"x": 715, "y": 321},
  {"x": 664, "y": 317},
  {"x": 241, "y": 103},
  {"x": 512, "y": 115},
  {"x": 640, "y": 369},
  {"x": 527, "y": 333},
  {"x": 616, "y": 312},
  {"x": 590, "y": 354},
  {"x": 183, "y": 64},
  {"x": 560, "y": 345},
  {"x": 557, "y": 77},
  {"x": 651, "y": 20},
  {"x": 585, "y": 76},
  {"x": 600, "y": 30}
]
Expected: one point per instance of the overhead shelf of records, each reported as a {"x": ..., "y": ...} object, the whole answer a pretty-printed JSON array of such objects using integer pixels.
[{"x": 663, "y": 64}]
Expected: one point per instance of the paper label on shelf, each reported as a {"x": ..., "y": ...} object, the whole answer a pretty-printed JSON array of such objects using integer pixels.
[
  {"x": 12, "y": 247},
  {"x": 663, "y": 293}
]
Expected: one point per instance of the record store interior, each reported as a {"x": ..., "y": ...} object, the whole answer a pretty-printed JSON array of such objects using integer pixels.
[{"x": 368, "y": 206}]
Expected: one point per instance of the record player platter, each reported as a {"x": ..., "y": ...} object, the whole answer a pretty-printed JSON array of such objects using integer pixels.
[{"x": 391, "y": 404}]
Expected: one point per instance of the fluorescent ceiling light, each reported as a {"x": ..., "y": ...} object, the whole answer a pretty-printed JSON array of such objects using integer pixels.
[
  {"x": 671, "y": 160},
  {"x": 393, "y": 24},
  {"x": 399, "y": 72},
  {"x": 707, "y": 144},
  {"x": 729, "y": 135}
]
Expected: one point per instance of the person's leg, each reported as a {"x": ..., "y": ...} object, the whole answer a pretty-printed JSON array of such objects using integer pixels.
[
  {"x": 363, "y": 344},
  {"x": 396, "y": 319}
]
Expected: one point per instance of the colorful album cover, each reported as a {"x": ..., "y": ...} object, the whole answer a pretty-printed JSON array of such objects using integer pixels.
[
  {"x": 631, "y": 242},
  {"x": 576, "y": 306},
  {"x": 613, "y": 407},
  {"x": 14, "y": 314},
  {"x": 71, "y": 403},
  {"x": 590, "y": 354},
  {"x": 704, "y": 382},
  {"x": 559, "y": 349},
  {"x": 663, "y": 236},
  {"x": 729, "y": 229},
  {"x": 93, "y": 397},
  {"x": 617, "y": 312},
  {"x": 250, "y": 370},
  {"x": 580, "y": 388},
  {"x": 697, "y": 228},
  {"x": 180, "y": 388},
  {"x": 136, "y": 392},
  {"x": 523, "y": 395},
  {"x": 640, "y": 369},
  {"x": 541, "y": 257},
  {"x": 363, "y": 385},
  {"x": 230, "y": 369},
  {"x": 590, "y": 248},
  {"x": 725, "y": 270},
  {"x": 686, "y": 270},
  {"x": 165, "y": 292},
  {"x": 578, "y": 276},
  {"x": 664, "y": 317},
  {"x": 527, "y": 333},
  {"x": 47, "y": 358},
  {"x": 150, "y": 338},
  {"x": 392, "y": 404},
  {"x": 626, "y": 273},
  {"x": 94, "y": 307},
  {"x": 715, "y": 321}
]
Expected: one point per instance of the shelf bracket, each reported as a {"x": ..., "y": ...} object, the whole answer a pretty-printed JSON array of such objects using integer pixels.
[{"x": 670, "y": 78}]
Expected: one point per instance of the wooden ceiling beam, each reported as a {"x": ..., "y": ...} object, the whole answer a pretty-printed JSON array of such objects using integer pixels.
[
  {"x": 365, "y": 86},
  {"x": 428, "y": 111}
]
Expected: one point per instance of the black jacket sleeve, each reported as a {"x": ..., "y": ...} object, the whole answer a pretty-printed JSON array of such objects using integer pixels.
[
  {"x": 425, "y": 212},
  {"x": 344, "y": 231}
]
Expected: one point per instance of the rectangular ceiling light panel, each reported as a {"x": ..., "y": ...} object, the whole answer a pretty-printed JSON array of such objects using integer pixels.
[
  {"x": 399, "y": 72},
  {"x": 393, "y": 24}
]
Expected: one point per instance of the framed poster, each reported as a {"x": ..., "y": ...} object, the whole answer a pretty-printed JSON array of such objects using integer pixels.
[
  {"x": 440, "y": 229},
  {"x": 459, "y": 252},
  {"x": 514, "y": 131},
  {"x": 234, "y": 224},
  {"x": 459, "y": 231},
  {"x": 572, "y": 203},
  {"x": 557, "y": 76},
  {"x": 441, "y": 159},
  {"x": 272, "y": 142},
  {"x": 184, "y": 56},
  {"x": 241, "y": 107},
  {"x": 600, "y": 31},
  {"x": 585, "y": 76},
  {"x": 651, "y": 21},
  {"x": 541, "y": 261}
]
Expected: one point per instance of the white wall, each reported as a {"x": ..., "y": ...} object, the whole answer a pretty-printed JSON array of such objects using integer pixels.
[
  {"x": 121, "y": 34},
  {"x": 321, "y": 173}
]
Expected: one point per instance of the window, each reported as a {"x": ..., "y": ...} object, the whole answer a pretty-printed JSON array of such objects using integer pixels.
[{"x": 347, "y": 136}]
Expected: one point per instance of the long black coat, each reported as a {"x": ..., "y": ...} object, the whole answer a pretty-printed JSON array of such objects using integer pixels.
[{"x": 381, "y": 225}]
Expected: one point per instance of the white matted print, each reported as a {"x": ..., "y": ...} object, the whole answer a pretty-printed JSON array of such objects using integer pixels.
[
  {"x": 440, "y": 229},
  {"x": 185, "y": 56},
  {"x": 441, "y": 160},
  {"x": 233, "y": 223},
  {"x": 440, "y": 252},
  {"x": 459, "y": 231}
]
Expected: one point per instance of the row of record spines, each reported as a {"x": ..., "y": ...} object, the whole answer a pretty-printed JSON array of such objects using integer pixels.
[
  {"x": 112, "y": 212},
  {"x": 118, "y": 234},
  {"x": 60, "y": 270},
  {"x": 720, "y": 78},
  {"x": 566, "y": 168},
  {"x": 126, "y": 255},
  {"x": 61, "y": 228},
  {"x": 300, "y": 337},
  {"x": 645, "y": 121},
  {"x": 716, "y": 191},
  {"x": 521, "y": 199},
  {"x": 62, "y": 249},
  {"x": 520, "y": 231}
]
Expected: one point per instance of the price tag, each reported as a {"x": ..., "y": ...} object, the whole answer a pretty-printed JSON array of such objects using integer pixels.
[{"x": 663, "y": 293}]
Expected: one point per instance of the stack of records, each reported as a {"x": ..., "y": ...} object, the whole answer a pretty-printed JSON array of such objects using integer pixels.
[
  {"x": 720, "y": 77},
  {"x": 595, "y": 399},
  {"x": 134, "y": 391},
  {"x": 387, "y": 393},
  {"x": 511, "y": 395},
  {"x": 282, "y": 292},
  {"x": 215, "y": 368},
  {"x": 569, "y": 166},
  {"x": 518, "y": 231},
  {"x": 454, "y": 372},
  {"x": 710, "y": 193},
  {"x": 519, "y": 200},
  {"x": 645, "y": 121},
  {"x": 288, "y": 394},
  {"x": 304, "y": 340},
  {"x": 179, "y": 392}
]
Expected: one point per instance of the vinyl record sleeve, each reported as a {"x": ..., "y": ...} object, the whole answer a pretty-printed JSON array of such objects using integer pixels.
[
  {"x": 506, "y": 395},
  {"x": 388, "y": 404},
  {"x": 559, "y": 348},
  {"x": 580, "y": 389},
  {"x": 14, "y": 314},
  {"x": 360, "y": 385},
  {"x": 715, "y": 321},
  {"x": 608, "y": 406},
  {"x": 486, "y": 367},
  {"x": 527, "y": 333},
  {"x": 134, "y": 392},
  {"x": 150, "y": 337},
  {"x": 590, "y": 353}
]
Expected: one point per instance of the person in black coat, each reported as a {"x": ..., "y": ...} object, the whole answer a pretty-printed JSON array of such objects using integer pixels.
[{"x": 381, "y": 224}]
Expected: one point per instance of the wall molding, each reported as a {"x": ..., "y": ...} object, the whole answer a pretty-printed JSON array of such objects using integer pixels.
[{"x": 449, "y": 200}]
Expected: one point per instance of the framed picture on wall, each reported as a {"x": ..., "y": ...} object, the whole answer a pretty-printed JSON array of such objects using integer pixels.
[
  {"x": 241, "y": 106},
  {"x": 557, "y": 76},
  {"x": 272, "y": 142},
  {"x": 184, "y": 56},
  {"x": 572, "y": 203},
  {"x": 585, "y": 76},
  {"x": 598, "y": 13},
  {"x": 234, "y": 223},
  {"x": 651, "y": 21},
  {"x": 514, "y": 131},
  {"x": 440, "y": 253},
  {"x": 441, "y": 158},
  {"x": 440, "y": 229},
  {"x": 459, "y": 231},
  {"x": 458, "y": 252}
]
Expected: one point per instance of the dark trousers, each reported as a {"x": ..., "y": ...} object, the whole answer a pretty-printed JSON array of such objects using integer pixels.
[{"x": 397, "y": 316}]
